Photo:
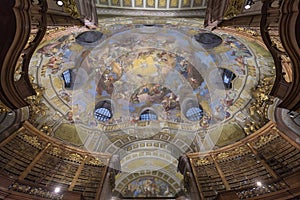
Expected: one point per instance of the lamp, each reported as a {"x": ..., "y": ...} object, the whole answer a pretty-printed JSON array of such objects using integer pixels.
[
  {"x": 248, "y": 4},
  {"x": 57, "y": 190},
  {"x": 60, "y": 3},
  {"x": 258, "y": 183}
]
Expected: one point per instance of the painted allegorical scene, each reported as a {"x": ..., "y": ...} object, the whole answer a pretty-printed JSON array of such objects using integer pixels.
[
  {"x": 148, "y": 187},
  {"x": 179, "y": 73}
]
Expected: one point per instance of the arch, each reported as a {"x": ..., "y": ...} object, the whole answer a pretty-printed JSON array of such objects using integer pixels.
[
  {"x": 148, "y": 115},
  {"x": 103, "y": 111}
]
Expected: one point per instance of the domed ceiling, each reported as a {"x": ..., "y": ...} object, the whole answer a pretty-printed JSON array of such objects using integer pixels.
[{"x": 150, "y": 92}]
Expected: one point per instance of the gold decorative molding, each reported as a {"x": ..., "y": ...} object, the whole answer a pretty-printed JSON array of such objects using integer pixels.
[
  {"x": 259, "y": 107},
  {"x": 4, "y": 108},
  {"x": 57, "y": 148},
  {"x": 249, "y": 31},
  {"x": 75, "y": 157},
  {"x": 201, "y": 162},
  {"x": 238, "y": 151},
  {"x": 70, "y": 7},
  {"x": 32, "y": 140},
  {"x": 56, "y": 151},
  {"x": 95, "y": 161},
  {"x": 46, "y": 129},
  {"x": 264, "y": 139},
  {"x": 36, "y": 107},
  {"x": 234, "y": 8},
  {"x": 222, "y": 155}
]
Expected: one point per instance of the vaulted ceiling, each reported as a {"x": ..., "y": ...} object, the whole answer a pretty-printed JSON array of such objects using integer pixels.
[
  {"x": 200, "y": 86},
  {"x": 149, "y": 90}
]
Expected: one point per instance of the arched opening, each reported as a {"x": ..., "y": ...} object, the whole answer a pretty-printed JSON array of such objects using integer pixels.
[
  {"x": 103, "y": 111},
  {"x": 194, "y": 113},
  {"x": 148, "y": 115}
]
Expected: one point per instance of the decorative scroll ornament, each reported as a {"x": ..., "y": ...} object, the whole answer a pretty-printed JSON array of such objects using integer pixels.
[
  {"x": 46, "y": 129},
  {"x": 201, "y": 162},
  {"x": 239, "y": 151},
  {"x": 276, "y": 43},
  {"x": 32, "y": 140},
  {"x": 75, "y": 157},
  {"x": 259, "y": 108},
  {"x": 222, "y": 155},
  {"x": 36, "y": 107},
  {"x": 247, "y": 30},
  {"x": 264, "y": 139},
  {"x": 71, "y": 8},
  {"x": 234, "y": 8},
  {"x": 56, "y": 151},
  {"x": 96, "y": 162}
]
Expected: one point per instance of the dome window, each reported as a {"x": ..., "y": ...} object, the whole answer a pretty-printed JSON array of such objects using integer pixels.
[
  {"x": 103, "y": 111},
  {"x": 194, "y": 113},
  {"x": 148, "y": 115},
  {"x": 67, "y": 77},
  {"x": 227, "y": 77}
]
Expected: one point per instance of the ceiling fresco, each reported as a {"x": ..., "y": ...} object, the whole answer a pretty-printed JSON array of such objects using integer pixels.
[
  {"x": 135, "y": 86},
  {"x": 149, "y": 187},
  {"x": 163, "y": 68}
]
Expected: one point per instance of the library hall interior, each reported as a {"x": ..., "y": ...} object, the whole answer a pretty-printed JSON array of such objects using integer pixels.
[{"x": 150, "y": 99}]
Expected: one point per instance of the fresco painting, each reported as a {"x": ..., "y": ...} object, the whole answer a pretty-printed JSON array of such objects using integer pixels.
[
  {"x": 156, "y": 67},
  {"x": 148, "y": 187}
]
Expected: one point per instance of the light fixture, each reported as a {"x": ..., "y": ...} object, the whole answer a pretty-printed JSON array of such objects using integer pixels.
[
  {"x": 60, "y": 3},
  {"x": 57, "y": 190},
  {"x": 258, "y": 183},
  {"x": 292, "y": 115},
  {"x": 248, "y": 4}
]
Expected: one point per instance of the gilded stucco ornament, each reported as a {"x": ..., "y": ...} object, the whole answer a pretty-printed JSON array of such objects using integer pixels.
[
  {"x": 233, "y": 153},
  {"x": 95, "y": 161},
  {"x": 201, "y": 161},
  {"x": 71, "y": 8},
  {"x": 222, "y": 155},
  {"x": 247, "y": 30},
  {"x": 36, "y": 107},
  {"x": 56, "y": 151},
  {"x": 276, "y": 43},
  {"x": 3, "y": 108},
  {"x": 259, "y": 107},
  {"x": 234, "y": 8},
  {"x": 241, "y": 150},
  {"x": 264, "y": 139},
  {"x": 32, "y": 140},
  {"x": 46, "y": 129},
  {"x": 75, "y": 157}
]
